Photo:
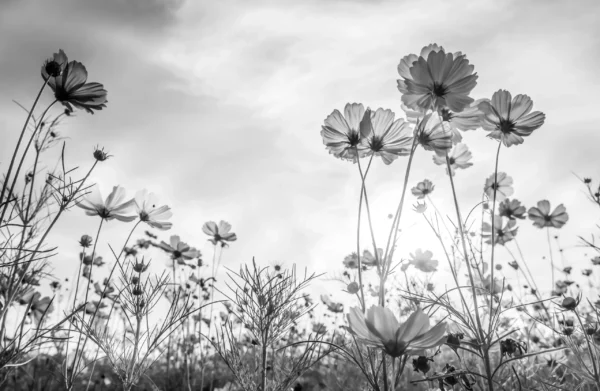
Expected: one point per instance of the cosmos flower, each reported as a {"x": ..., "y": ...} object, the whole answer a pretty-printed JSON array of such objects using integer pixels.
[
  {"x": 68, "y": 80},
  {"x": 423, "y": 261},
  {"x": 433, "y": 135},
  {"x": 468, "y": 119},
  {"x": 511, "y": 209},
  {"x": 55, "y": 66},
  {"x": 115, "y": 206},
  {"x": 179, "y": 250},
  {"x": 39, "y": 307},
  {"x": 150, "y": 214},
  {"x": 342, "y": 134},
  {"x": 437, "y": 79},
  {"x": 422, "y": 189},
  {"x": 369, "y": 260},
  {"x": 220, "y": 233},
  {"x": 420, "y": 208},
  {"x": 542, "y": 217},
  {"x": 351, "y": 261},
  {"x": 505, "y": 231},
  {"x": 388, "y": 138},
  {"x": 331, "y": 305},
  {"x": 503, "y": 186},
  {"x": 380, "y": 328},
  {"x": 458, "y": 157},
  {"x": 510, "y": 119}
]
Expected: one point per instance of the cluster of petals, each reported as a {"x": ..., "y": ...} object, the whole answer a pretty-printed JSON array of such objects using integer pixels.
[
  {"x": 219, "y": 233},
  {"x": 380, "y": 328},
  {"x": 117, "y": 207},
  {"x": 432, "y": 135},
  {"x": 422, "y": 189},
  {"x": 505, "y": 230},
  {"x": 500, "y": 182},
  {"x": 70, "y": 84},
  {"x": 510, "y": 119},
  {"x": 423, "y": 261},
  {"x": 332, "y": 305},
  {"x": 511, "y": 209},
  {"x": 542, "y": 217},
  {"x": 436, "y": 80},
  {"x": 359, "y": 133},
  {"x": 458, "y": 157},
  {"x": 180, "y": 251}
]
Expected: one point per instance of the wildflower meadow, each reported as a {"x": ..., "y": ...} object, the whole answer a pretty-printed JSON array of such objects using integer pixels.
[{"x": 125, "y": 299}]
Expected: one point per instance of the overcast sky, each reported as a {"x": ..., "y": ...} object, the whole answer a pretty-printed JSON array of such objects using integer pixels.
[{"x": 216, "y": 106}]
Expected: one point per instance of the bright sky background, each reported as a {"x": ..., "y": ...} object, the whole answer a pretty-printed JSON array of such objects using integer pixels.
[{"x": 216, "y": 106}]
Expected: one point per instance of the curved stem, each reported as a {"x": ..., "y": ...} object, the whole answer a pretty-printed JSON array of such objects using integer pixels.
[
  {"x": 12, "y": 161},
  {"x": 492, "y": 283},
  {"x": 363, "y": 192},
  {"x": 551, "y": 257},
  {"x": 389, "y": 252},
  {"x": 473, "y": 292}
]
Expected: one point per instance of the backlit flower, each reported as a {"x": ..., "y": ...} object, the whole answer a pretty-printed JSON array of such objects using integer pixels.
[
  {"x": 179, "y": 250},
  {"x": 369, "y": 260},
  {"x": 70, "y": 85},
  {"x": 468, "y": 119},
  {"x": 458, "y": 157},
  {"x": 511, "y": 209},
  {"x": 510, "y": 119},
  {"x": 351, "y": 261},
  {"x": 502, "y": 184},
  {"x": 542, "y": 217},
  {"x": 220, "y": 233},
  {"x": 505, "y": 230},
  {"x": 423, "y": 261},
  {"x": 151, "y": 214},
  {"x": 380, "y": 328},
  {"x": 342, "y": 133},
  {"x": 114, "y": 207},
  {"x": 433, "y": 136},
  {"x": 422, "y": 189},
  {"x": 39, "y": 307},
  {"x": 437, "y": 79},
  {"x": 331, "y": 305},
  {"x": 388, "y": 138},
  {"x": 55, "y": 66}
]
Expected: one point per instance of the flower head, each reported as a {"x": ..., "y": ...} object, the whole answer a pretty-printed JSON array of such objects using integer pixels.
[
  {"x": 502, "y": 184},
  {"x": 85, "y": 241},
  {"x": 68, "y": 80},
  {"x": 55, "y": 66},
  {"x": 114, "y": 207},
  {"x": 179, "y": 250},
  {"x": 388, "y": 138},
  {"x": 510, "y": 119},
  {"x": 220, "y": 233},
  {"x": 433, "y": 135},
  {"x": 458, "y": 157},
  {"x": 423, "y": 261},
  {"x": 38, "y": 307},
  {"x": 504, "y": 230},
  {"x": 342, "y": 134},
  {"x": 436, "y": 78},
  {"x": 151, "y": 214},
  {"x": 542, "y": 217},
  {"x": 511, "y": 209},
  {"x": 422, "y": 189},
  {"x": 331, "y": 305},
  {"x": 100, "y": 155},
  {"x": 380, "y": 328}
]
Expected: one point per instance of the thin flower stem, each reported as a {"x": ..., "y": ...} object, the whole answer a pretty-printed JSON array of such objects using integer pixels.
[
  {"x": 389, "y": 251},
  {"x": 551, "y": 257},
  {"x": 482, "y": 338},
  {"x": 362, "y": 193},
  {"x": 592, "y": 358},
  {"x": 16, "y": 175},
  {"x": 492, "y": 282},
  {"x": 12, "y": 161}
]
